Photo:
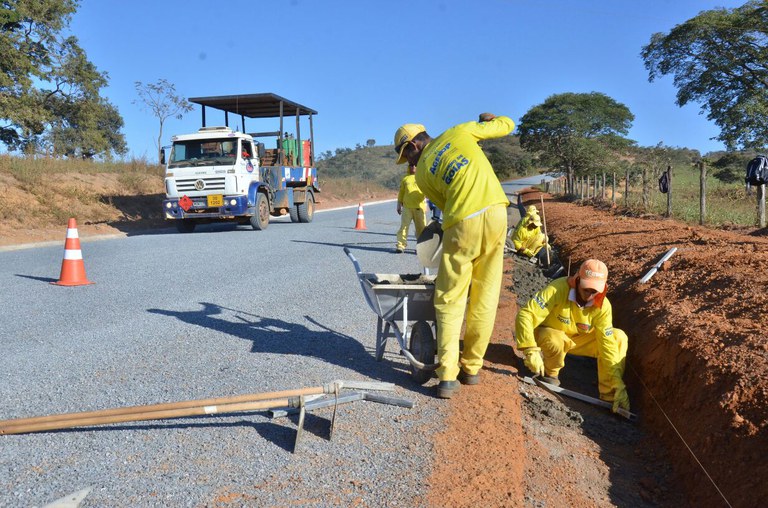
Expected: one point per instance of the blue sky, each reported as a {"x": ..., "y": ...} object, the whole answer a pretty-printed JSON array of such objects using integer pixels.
[{"x": 368, "y": 66}]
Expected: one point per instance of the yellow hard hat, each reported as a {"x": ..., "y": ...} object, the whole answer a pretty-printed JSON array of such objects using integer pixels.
[{"x": 404, "y": 134}]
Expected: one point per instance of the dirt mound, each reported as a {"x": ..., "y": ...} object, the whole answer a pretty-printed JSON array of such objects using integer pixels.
[
  {"x": 698, "y": 348},
  {"x": 697, "y": 357}
]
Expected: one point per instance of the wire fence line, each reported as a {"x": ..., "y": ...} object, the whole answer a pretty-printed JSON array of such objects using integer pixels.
[{"x": 688, "y": 195}]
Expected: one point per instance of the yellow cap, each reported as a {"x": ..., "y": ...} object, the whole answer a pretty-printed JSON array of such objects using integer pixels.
[
  {"x": 593, "y": 274},
  {"x": 404, "y": 134}
]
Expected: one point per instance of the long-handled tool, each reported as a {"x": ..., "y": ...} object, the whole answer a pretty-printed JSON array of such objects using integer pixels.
[
  {"x": 544, "y": 221},
  {"x": 237, "y": 403},
  {"x": 579, "y": 396}
]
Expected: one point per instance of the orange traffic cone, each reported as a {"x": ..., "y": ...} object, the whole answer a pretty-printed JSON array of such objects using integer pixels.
[
  {"x": 360, "y": 224},
  {"x": 72, "y": 267}
]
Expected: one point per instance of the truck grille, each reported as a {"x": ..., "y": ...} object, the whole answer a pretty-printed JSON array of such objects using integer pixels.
[{"x": 215, "y": 183}]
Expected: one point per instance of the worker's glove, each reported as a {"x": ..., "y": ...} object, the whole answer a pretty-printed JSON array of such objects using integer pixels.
[
  {"x": 533, "y": 360},
  {"x": 620, "y": 398}
]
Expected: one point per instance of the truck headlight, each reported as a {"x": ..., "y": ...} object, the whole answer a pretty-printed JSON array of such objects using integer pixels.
[
  {"x": 232, "y": 202},
  {"x": 168, "y": 205}
]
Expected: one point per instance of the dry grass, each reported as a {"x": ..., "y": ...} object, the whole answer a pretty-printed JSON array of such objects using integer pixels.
[
  {"x": 43, "y": 192},
  {"x": 349, "y": 189},
  {"x": 40, "y": 194}
]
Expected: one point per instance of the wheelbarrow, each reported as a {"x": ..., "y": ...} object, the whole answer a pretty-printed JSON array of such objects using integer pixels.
[{"x": 404, "y": 306}]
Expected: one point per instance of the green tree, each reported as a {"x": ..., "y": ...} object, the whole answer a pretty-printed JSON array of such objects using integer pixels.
[
  {"x": 42, "y": 70},
  {"x": 720, "y": 59},
  {"x": 506, "y": 156},
  {"x": 163, "y": 102},
  {"x": 576, "y": 133},
  {"x": 85, "y": 129}
]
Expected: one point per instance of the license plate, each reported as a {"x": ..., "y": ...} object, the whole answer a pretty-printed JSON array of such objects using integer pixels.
[{"x": 215, "y": 200}]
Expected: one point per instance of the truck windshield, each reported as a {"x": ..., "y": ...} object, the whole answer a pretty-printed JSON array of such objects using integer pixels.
[{"x": 203, "y": 152}]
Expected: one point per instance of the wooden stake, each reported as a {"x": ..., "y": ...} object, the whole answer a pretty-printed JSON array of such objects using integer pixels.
[{"x": 544, "y": 221}]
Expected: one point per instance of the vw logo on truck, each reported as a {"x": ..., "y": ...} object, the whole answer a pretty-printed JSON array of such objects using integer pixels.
[{"x": 199, "y": 184}]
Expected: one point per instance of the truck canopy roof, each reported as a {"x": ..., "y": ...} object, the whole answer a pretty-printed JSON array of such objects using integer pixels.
[{"x": 257, "y": 105}]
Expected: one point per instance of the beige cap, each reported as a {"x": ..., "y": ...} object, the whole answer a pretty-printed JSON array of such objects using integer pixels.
[{"x": 593, "y": 274}]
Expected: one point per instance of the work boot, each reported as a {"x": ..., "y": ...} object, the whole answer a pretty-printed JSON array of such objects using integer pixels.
[
  {"x": 466, "y": 378},
  {"x": 446, "y": 389},
  {"x": 551, "y": 380}
]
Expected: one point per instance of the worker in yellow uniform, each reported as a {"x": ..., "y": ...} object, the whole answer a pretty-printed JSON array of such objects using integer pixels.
[
  {"x": 454, "y": 173},
  {"x": 528, "y": 239},
  {"x": 573, "y": 316},
  {"x": 411, "y": 207}
]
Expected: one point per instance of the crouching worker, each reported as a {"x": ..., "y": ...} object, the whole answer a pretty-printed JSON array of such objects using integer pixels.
[
  {"x": 528, "y": 240},
  {"x": 573, "y": 316}
]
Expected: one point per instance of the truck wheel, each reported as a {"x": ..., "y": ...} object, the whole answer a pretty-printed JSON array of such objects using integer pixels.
[
  {"x": 306, "y": 210},
  {"x": 185, "y": 225},
  {"x": 261, "y": 219},
  {"x": 423, "y": 347},
  {"x": 294, "y": 213}
]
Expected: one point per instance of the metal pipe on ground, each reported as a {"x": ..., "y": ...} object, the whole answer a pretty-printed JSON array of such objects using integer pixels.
[{"x": 656, "y": 267}]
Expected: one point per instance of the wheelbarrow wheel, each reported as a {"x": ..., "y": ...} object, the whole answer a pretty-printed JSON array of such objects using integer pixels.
[{"x": 423, "y": 348}]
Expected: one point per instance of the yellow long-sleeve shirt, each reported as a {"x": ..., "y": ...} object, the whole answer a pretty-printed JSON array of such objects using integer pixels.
[
  {"x": 454, "y": 173},
  {"x": 554, "y": 307},
  {"x": 410, "y": 195},
  {"x": 531, "y": 241}
]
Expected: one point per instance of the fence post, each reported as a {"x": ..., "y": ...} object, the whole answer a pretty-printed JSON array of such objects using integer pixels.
[
  {"x": 613, "y": 189},
  {"x": 646, "y": 190},
  {"x": 603, "y": 188},
  {"x": 669, "y": 191},
  {"x": 702, "y": 193},
  {"x": 626, "y": 189},
  {"x": 581, "y": 187},
  {"x": 761, "y": 205}
]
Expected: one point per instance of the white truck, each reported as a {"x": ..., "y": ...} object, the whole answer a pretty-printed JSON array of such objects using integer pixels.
[{"x": 222, "y": 174}]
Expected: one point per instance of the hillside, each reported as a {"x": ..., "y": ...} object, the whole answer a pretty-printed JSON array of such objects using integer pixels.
[{"x": 377, "y": 163}]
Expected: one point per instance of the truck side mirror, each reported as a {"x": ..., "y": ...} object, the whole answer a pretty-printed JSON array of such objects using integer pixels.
[{"x": 162, "y": 157}]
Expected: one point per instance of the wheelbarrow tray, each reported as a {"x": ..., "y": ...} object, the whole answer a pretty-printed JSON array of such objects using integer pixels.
[{"x": 387, "y": 294}]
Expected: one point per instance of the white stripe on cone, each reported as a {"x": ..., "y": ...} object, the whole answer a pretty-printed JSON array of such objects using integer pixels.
[
  {"x": 73, "y": 254},
  {"x": 72, "y": 233}
]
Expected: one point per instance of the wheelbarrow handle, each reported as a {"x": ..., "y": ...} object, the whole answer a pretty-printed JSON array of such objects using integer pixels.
[{"x": 352, "y": 258}]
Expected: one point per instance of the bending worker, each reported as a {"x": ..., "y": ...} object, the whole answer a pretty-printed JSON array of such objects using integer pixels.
[
  {"x": 453, "y": 172},
  {"x": 411, "y": 207},
  {"x": 528, "y": 239},
  {"x": 573, "y": 316}
]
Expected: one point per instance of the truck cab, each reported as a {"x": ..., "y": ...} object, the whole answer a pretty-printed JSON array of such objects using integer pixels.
[{"x": 222, "y": 174}]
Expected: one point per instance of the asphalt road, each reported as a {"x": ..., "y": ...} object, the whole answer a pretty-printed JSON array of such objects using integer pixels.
[{"x": 222, "y": 311}]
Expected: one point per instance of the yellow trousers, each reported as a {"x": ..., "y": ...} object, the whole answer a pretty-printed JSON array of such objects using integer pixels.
[
  {"x": 555, "y": 344},
  {"x": 471, "y": 264},
  {"x": 418, "y": 216}
]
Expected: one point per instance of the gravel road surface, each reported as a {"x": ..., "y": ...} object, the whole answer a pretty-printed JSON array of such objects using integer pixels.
[{"x": 223, "y": 311}]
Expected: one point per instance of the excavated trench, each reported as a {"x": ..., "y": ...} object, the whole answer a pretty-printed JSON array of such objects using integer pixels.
[{"x": 698, "y": 350}]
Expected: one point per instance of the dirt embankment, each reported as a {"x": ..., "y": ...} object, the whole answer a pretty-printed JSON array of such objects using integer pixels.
[
  {"x": 696, "y": 375},
  {"x": 698, "y": 351},
  {"x": 111, "y": 204}
]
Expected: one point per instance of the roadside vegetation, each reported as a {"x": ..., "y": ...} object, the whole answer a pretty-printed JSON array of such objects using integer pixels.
[{"x": 40, "y": 192}]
